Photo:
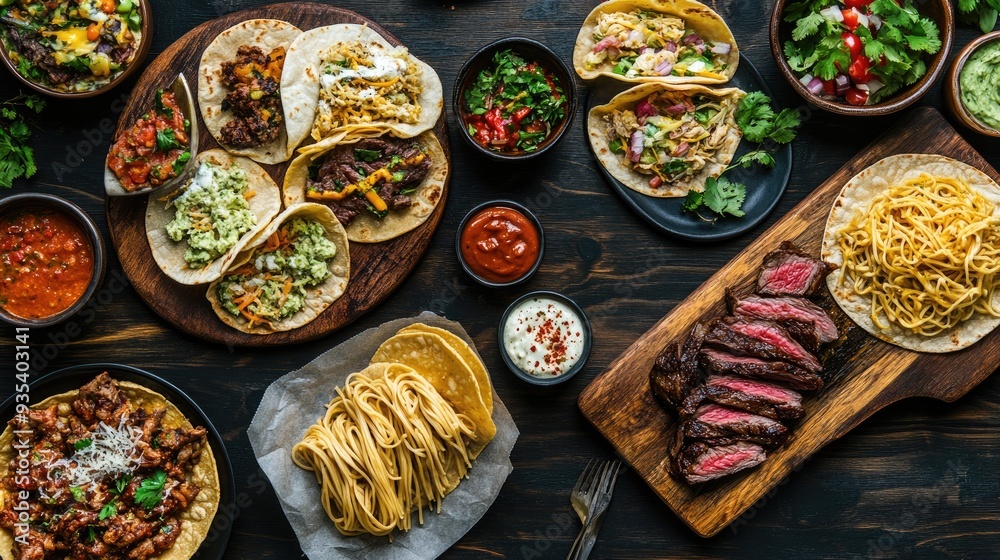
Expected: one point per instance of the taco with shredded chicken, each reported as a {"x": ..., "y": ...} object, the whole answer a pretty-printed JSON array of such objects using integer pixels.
[
  {"x": 347, "y": 80},
  {"x": 676, "y": 41},
  {"x": 662, "y": 140}
]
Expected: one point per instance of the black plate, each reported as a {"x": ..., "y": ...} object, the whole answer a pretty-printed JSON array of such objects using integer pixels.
[
  {"x": 72, "y": 378},
  {"x": 764, "y": 186}
]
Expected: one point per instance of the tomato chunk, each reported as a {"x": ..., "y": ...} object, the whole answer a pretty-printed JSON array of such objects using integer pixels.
[
  {"x": 856, "y": 96},
  {"x": 859, "y": 70},
  {"x": 853, "y": 44}
]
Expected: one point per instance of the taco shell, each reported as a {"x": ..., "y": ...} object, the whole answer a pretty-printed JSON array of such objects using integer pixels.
[
  {"x": 697, "y": 16},
  {"x": 468, "y": 355},
  {"x": 300, "y": 86},
  {"x": 169, "y": 254},
  {"x": 617, "y": 165},
  {"x": 196, "y": 520},
  {"x": 368, "y": 228},
  {"x": 318, "y": 297},
  {"x": 856, "y": 196},
  {"x": 267, "y": 34}
]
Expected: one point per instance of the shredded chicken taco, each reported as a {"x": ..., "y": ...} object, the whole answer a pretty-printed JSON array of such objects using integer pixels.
[
  {"x": 239, "y": 89},
  {"x": 196, "y": 232},
  {"x": 678, "y": 41},
  {"x": 347, "y": 79},
  {"x": 291, "y": 272},
  {"x": 662, "y": 140},
  {"x": 379, "y": 188},
  {"x": 115, "y": 471}
]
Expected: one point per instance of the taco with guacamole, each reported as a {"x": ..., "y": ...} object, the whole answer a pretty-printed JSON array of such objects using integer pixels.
[
  {"x": 676, "y": 41},
  {"x": 239, "y": 89},
  {"x": 347, "y": 80},
  {"x": 196, "y": 232},
  {"x": 112, "y": 470},
  {"x": 379, "y": 188},
  {"x": 292, "y": 271},
  {"x": 662, "y": 140}
]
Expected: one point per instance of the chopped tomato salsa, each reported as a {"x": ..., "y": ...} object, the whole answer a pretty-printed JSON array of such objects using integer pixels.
[{"x": 155, "y": 149}]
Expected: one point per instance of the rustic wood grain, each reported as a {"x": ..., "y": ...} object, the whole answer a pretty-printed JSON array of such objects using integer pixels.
[
  {"x": 377, "y": 269},
  {"x": 864, "y": 374}
]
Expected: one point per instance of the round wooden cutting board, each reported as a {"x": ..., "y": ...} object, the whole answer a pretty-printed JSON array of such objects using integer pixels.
[{"x": 376, "y": 269}]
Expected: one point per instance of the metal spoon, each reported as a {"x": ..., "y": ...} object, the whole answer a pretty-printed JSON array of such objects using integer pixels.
[{"x": 182, "y": 93}]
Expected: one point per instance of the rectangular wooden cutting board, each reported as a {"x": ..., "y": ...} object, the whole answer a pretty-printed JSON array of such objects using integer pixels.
[{"x": 864, "y": 374}]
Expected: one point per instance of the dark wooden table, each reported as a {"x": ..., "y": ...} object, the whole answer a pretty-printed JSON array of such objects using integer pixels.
[{"x": 920, "y": 479}]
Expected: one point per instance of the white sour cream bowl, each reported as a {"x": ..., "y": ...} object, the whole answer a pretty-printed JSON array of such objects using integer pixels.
[{"x": 544, "y": 338}]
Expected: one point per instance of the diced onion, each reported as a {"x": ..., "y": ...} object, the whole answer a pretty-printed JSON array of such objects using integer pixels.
[
  {"x": 721, "y": 48},
  {"x": 874, "y": 85},
  {"x": 876, "y": 21},
  {"x": 664, "y": 68},
  {"x": 862, "y": 19},
  {"x": 842, "y": 83},
  {"x": 806, "y": 80},
  {"x": 635, "y": 146},
  {"x": 815, "y": 86},
  {"x": 832, "y": 13}
]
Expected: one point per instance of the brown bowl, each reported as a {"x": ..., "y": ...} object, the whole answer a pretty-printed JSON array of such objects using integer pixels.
[
  {"x": 953, "y": 89},
  {"x": 146, "y": 9},
  {"x": 941, "y": 11}
]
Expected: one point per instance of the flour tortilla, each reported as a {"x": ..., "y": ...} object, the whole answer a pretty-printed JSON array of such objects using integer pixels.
[
  {"x": 268, "y": 34},
  {"x": 855, "y": 197},
  {"x": 697, "y": 16},
  {"x": 618, "y": 164},
  {"x": 368, "y": 228},
  {"x": 318, "y": 297},
  {"x": 196, "y": 520},
  {"x": 300, "y": 87}
]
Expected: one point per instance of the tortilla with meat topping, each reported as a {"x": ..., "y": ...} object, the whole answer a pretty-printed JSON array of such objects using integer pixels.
[
  {"x": 662, "y": 140},
  {"x": 238, "y": 89},
  {"x": 674, "y": 42},
  {"x": 116, "y": 471},
  {"x": 347, "y": 79},
  {"x": 379, "y": 188}
]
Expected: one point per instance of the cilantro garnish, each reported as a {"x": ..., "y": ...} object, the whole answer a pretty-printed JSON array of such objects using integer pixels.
[
  {"x": 166, "y": 140},
  {"x": 979, "y": 12},
  {"x": 17, "y": 159},
  {"x": 108, "y": 510},
  {"x": 366, "y": 155},
  {"x": 150, "y": 491},
  {"x": 82, "y": 444},
  {"x": 78, "y": 493}
]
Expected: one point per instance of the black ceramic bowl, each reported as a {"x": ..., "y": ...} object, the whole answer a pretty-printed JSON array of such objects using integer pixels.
[
  {"x": 500, "y": 204},
  {"x": 588, "y": 337},
  {"x": 145, "y": 42},
  {"x": 531, "y": 51},
  {"x": 47, "y": 201}
]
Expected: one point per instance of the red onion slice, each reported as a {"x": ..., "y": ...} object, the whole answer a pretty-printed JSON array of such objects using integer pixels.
[
  {"x": 664, "y": 68},
  {"x": 815, "y": 86},
  {"x": 635, "y": 146}
]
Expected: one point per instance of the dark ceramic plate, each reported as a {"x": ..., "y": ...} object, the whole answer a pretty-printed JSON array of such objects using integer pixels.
[
  {"x": 72, "y": 378},
  {"x": 764, "y": 186}
]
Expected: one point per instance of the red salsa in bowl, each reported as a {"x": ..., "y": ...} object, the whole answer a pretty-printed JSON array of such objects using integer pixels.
[
  {"x": 500, "y": 244},
  {"x": 155, "y": 149}
]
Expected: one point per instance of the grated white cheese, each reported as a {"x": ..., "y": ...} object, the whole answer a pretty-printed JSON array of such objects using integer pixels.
[{"x": 112, "y": 452}]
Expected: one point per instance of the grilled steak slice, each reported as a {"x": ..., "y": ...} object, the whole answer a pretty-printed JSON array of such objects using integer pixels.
[
  {"x": 666, "y": 379},
  {"x": 780, "y": 309},
  {"x": 701, "y": 462},
  {"x": 759, "y": 397},
  {"x": 689, "y": 352},
  {"x": 674, "y": 451},
  {"x": 725, "y": 363},
  {"x": 764, "y": 339},
  {"x": 790, "y": 272},
  {"x": 714, "y": 421},
  {"x": 804, "y": 333}
]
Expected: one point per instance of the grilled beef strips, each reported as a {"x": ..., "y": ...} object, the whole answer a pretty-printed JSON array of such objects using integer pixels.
[{"x": 756, "y": 357}]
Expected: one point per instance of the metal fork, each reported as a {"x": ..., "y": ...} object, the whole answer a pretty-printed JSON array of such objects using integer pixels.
[{"x": 590, "y": 498}]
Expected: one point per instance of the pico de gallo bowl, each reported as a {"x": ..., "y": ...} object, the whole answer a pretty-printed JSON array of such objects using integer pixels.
[
  {"x": 514, "y": 99},
  {"x": 851, "y": 55}
]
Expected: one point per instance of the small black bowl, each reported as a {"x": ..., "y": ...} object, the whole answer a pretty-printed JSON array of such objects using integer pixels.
[
  {"x": 530, "y": 50},
  {"x": 588, "y": 337},
  {"x": 47, "y": 201},
  {"x": 500, "y": 204}
]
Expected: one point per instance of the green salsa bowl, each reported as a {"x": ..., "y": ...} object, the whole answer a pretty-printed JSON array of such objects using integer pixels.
[{"x": 972, "y": 87}]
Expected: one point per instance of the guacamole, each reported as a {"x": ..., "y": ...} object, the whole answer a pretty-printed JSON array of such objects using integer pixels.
[
  {"x": 979, "y": 84},
  {"x": 212, "y": 213},
  {"x": 272, "y": 284}
]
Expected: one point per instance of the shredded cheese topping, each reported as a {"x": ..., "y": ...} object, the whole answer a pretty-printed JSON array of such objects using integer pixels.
[{"x": 112, "y": 452}]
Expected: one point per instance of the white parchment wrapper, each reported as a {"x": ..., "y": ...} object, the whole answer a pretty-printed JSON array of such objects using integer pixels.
[{"x": 298, "y": 399}]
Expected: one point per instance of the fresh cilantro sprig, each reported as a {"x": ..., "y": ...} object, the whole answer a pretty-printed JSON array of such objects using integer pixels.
[
  {"x": 761, "y": 125},
  {"x": 17, "y": 159},
  {"x": 979, "y": 12},
  {"x": 150, "y": 491}
]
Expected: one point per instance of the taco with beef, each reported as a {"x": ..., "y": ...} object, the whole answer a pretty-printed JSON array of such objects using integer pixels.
[
  {"x": 662, "y": 140},
  {"x": 112, "y": 470},
  {"x": 347, "y": 80},
  {"x": 196, "y": 232},
  {"x": 239, "y": 89},
  {"x": 379, "y": 188},
  {"x": 676, "y": 41}
]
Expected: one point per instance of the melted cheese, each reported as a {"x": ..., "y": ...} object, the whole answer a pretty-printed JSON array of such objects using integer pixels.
[{"x": 72, "y": 43}]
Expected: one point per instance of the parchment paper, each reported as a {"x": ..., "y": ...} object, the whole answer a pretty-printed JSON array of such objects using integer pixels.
[{"x": 296, "y": 400}]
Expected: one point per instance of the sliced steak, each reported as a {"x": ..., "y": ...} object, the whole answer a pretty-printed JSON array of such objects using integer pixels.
[
  {"x": 674, "y": 451},
  {"x": 666, "y": 379},
  {"x": 701, "y": 462},
  {"x": 780, "y": 309},
  {"x": 790, "y": 272},
  {"x": 714, "y": 421},
  {"x": 725, "y": 363},
  {"x": 759, "y": 397},
  {"x": 804, "y": 333},
  {"x": 764, "y": 339}
]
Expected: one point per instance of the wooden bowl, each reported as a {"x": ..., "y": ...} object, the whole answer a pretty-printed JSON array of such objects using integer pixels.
[
  {"x": 953, "y": 89},
  {"x": 941, "y": 11},
  {"x": 146, "y": 9}
]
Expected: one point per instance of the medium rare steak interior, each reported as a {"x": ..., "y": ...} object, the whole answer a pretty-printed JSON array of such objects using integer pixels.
[{"x": 790, "y": 272}]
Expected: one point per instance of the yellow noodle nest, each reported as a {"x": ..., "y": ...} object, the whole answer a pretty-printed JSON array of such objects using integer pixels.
[{"x": 926, "y": 252}]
